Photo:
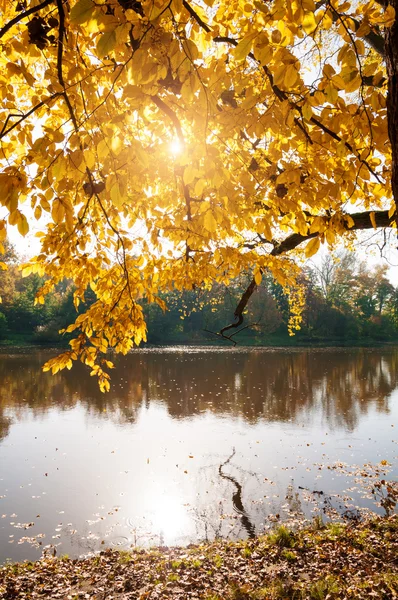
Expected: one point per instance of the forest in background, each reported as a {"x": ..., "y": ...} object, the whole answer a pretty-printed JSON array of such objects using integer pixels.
[{"x": 346, "y": 301}]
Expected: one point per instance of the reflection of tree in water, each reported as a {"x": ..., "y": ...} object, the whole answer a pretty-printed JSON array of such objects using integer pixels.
[
  {"x": 275, "y": 386},
  {"x": 256, "y": 385},
  {"x": 234, "y": 515},
  {"x": 237, "y": 498},
  {"x": 24, "y": 387},
  {"x": 4, "y": 425}
]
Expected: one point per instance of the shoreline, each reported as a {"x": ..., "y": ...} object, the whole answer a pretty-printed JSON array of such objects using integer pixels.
[
  {"x": 12, "y": 346},
  {"x": 354, "y": 560}
]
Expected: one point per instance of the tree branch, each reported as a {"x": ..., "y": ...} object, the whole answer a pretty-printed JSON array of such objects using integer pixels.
[
  {"x": 195, "y": 15},
  {"x": 282, "y": 95},
  {"x": 171, "y": 114},
  {"x": 375, "y": 40},
  {"x": 60, "y": 49},
  {"x": 392, "y": 99},
  {"x": 361, "y": 220},
  {"x": 22, "y": 15},
  {"x": 24, "y": 116}
]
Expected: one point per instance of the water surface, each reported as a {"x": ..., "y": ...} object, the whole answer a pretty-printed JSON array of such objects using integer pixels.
[{"x": 190, "y": 444}]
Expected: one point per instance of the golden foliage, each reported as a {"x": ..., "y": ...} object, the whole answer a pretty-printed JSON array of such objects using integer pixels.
[{"x": 279, "y": 109}]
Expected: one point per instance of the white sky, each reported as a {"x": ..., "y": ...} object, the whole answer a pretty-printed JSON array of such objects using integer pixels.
[{"x": 367, "y": 248}]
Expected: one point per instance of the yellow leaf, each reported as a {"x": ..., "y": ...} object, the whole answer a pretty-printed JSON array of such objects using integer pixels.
[
  {"x": 57, "y": 211},
  {"x": 103, "y": 148},
  {"x": 26, "y": 271},
  {"x": 290, "y": 76},
  {"x": 331, "y": 93},
  {"x": 191, "y": 49},
  {"x": 258, "y": 277},
  {"x": 116, "y": 196},
  {"x": 279, "y": 75},
  {"x": 22, "y": 225},
  {"x": 307, "y": 111},
  {"x": 157, "y": 9},
  {"x": 141, "y": 155},
  {"x": 38, "y": 212},
  {"x": 244, "y": 46},
  {"x": 209, "y": 222},
  {"x": 82, "y": 11},
  {"x": 312, "y": 247},
  {"x": 373, "y": 220},
  {"x": 330, "y": 237},
  {"x": 189, "y": 174},
  {"x": 264, "y": 54},
  {"x": 389, "y": 16},
  {"x": 276, "y": 36},
  {"x": 309, "y": 23},
  {"x": 106, "y": 43},
  {"x": 200, "y": 186}
]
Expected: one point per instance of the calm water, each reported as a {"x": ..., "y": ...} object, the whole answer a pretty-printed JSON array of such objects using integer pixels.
[{"x": 190, "y": 444}]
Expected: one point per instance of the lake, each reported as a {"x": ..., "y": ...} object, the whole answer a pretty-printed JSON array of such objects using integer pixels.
[{"x": 191, "y": 444}]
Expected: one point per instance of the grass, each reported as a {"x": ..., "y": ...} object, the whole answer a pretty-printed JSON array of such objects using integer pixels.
[
  {"x": 176, "y": 564},
  {"x": 282, "y": 537},
  {"x": 324, "y": 588},
  {"x": 125, "y": 557},
  {"x": 218, "y": 561},
  {"x": 289, "y": 555}
]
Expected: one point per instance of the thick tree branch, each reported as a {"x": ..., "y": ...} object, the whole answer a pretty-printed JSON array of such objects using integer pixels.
[
  {"x": 23, "y": 15},
  {"x": 60, "y": 48},
  {"x": 392, "y": 100},
  {"x": 361, "y": 220}
]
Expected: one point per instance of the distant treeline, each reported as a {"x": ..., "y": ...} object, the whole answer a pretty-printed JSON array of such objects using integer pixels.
[{"x": 346, "y": 301}]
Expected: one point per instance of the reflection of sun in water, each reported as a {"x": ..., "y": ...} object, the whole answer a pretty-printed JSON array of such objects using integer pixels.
[
  {"x": 175, "y": 147},
  {"x": 169, "y": 518}
]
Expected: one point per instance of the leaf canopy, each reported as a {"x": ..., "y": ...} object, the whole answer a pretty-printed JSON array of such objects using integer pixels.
[{"x": 169, "y": 144}]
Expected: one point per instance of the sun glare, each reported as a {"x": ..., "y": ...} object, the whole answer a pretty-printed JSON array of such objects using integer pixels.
[
  {"x": 175, "y": 147},
  {"x": 169, "y": 518}
]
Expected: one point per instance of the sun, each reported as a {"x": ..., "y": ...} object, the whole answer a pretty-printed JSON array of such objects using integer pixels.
[{"x": 176, "y": 147}]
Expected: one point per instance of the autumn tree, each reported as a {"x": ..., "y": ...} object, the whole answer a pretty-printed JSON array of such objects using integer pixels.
[{"x": 169, "y": 144}]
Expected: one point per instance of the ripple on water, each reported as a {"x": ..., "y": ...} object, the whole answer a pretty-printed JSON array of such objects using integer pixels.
[{"x": 119, "y": 541}]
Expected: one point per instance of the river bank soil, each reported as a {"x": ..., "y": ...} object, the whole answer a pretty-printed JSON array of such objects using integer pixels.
[{"x": 354, "y": 560}]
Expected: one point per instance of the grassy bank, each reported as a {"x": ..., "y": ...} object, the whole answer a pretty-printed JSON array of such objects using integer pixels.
[{"x": 358, "y": 560}]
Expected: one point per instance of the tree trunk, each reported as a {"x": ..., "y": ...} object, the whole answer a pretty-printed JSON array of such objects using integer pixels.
[{"x": 391, "y": 51}]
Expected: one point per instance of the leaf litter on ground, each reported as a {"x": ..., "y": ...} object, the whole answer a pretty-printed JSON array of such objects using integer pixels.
[{"x": 320, "y": 562}]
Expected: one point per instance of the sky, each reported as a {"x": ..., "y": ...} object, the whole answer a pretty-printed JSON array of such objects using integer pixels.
[{"x": 368, "y": 248}]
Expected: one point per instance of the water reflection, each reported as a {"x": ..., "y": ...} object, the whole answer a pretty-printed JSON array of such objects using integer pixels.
[
  {"x": 190, "y": 444},
  {"x": 254, "y": 385},
  {"x": 237, "y": 498}
]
